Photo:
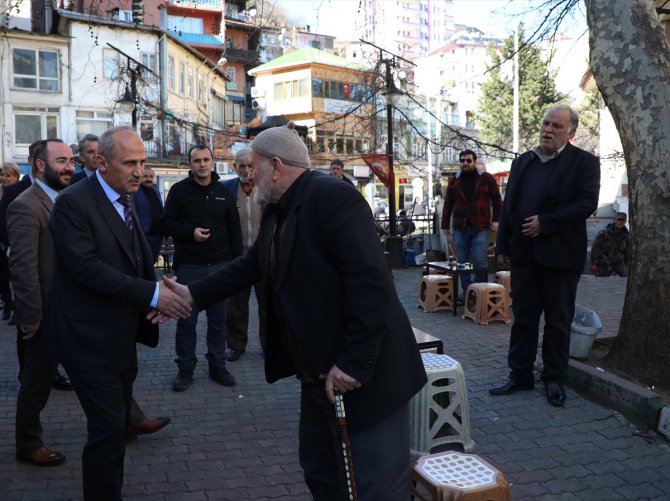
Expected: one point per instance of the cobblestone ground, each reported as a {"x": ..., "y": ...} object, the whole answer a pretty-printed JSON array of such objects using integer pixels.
[{"x": 241, "y": 443}]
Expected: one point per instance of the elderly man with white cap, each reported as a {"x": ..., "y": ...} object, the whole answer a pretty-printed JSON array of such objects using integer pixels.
[{"x": 333, "y": 319}]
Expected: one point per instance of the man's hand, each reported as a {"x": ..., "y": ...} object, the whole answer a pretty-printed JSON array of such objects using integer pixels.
[
  {"x": 531, "y": 228},
  {"x": 200, "y": 234},
  {"x": 174, "y": 300},
  {"x": 494, "y": 225},
  {"x": 502, "y": 261},
  {"x": 340, "y": 382},
  {"x": 445, "y": 231},
  {"x": 156, "y": 317},
  {"x": 28, "y": 331},
  {"x": 594, "y": 267}
]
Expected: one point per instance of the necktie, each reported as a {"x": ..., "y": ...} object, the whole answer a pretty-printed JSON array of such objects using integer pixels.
[{"x": 127, "y": 211}]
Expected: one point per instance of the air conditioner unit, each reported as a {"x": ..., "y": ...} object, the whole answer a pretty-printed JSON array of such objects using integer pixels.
[
  {"x": 256, "y": 92},
  {"x": 258, "y": 104},
  {"x": 221, "y": 167}
]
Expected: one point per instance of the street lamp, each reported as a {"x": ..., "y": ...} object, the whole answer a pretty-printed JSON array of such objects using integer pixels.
[{"x": 126, "y": 102}]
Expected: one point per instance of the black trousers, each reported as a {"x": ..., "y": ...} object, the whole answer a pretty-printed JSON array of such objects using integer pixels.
[
  {"x": 106, "y": 400},
  {"x": 537, "y": 289},
  {"x": 37, "y": 380},
  {"x": 238, "y": 319},
  {"x": 380, "y": 454}
]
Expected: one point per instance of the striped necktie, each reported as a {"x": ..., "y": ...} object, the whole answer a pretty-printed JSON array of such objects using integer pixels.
[{"x": 127, "y": 211}]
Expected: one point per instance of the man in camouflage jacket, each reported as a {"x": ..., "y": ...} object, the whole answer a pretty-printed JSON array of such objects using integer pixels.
[{"x": 611, "y": 249}]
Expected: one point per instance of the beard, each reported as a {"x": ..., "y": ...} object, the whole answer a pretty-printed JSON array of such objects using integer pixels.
[
  {"x": 57, "y": 180},
  {"x": 262, "y": 192}
]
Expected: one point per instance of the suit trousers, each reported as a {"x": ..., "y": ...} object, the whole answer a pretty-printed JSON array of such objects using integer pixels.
[
  {"x": 380, "y": 454},
  {"x": 238, "y": 319},
  {"x": 186, "y": 336},
  {"x": 538, "y": 289},
  {"x": 36, "y": 382},
  {"x": 106, "y": 400}
]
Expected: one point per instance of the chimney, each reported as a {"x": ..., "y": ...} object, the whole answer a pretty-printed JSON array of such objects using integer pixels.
[{"x": 138, "y": 11}]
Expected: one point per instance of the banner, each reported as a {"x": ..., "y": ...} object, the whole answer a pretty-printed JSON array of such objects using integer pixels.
[{"x": 379, "y": 164}]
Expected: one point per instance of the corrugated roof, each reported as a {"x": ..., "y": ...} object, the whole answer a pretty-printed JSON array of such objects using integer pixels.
[{"x": 307, "y": 56}]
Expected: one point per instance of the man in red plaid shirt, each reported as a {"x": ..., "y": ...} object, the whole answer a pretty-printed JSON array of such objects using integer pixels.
[{"x": 470, "y": 197}]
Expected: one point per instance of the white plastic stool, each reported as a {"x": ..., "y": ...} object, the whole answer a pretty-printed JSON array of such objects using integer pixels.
[
  {"x": 451, "y": 476},
  {"x": 436, "y": 293},
  {"x": 442, "y": 401}
]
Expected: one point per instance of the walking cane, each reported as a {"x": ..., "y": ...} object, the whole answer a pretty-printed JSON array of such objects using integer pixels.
[{"x": 346, "y": 447}]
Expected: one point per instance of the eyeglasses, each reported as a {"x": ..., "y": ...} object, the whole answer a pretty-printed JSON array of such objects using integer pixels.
[{"x": 466, "y": 160}]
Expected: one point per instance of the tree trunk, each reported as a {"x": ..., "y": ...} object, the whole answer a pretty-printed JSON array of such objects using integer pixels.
[{"x": 630, "y": 59}]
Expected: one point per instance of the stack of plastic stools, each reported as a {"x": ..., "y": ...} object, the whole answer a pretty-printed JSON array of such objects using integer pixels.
[
  {"x": 439, "y": 413},
  {"x": 504, "y": 278},
  {"x": 485, "y": 302},
  {"x": 452, "y": 476},
  {"x": 436, "y": 293}
]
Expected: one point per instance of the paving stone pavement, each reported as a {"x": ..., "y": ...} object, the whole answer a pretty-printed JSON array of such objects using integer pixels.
[{"x": 241, "y": 443}]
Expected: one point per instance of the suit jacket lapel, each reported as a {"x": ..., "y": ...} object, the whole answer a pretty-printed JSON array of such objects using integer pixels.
[
  {"x": 112, "y": 218},
  {"x": 44, "y": 199}
]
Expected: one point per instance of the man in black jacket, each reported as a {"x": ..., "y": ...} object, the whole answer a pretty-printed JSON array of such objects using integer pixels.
[
  {"x": 333, "y": 319},
  {"x": 201, "y": 216},
  {"x": 542, "y": 234}
]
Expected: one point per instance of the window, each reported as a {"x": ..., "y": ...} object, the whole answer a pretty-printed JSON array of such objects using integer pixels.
[
  {"x": 32, "y": 124},
  {"x": 189, "y": 81},
  {"x": 126, "y": 15},
  {"x": 201, "y": 88},
  {"x": 185, "y": 24},
  {"x": 149, "y": 60},
  {"x": 317, "y": 87},
  {"x": 92, "y": 122},
  {"x": 110, "y": 64},
  {"x": 36, "y": 69},
  {"x": 218, "y": 111},
  {"x": 171, "y": 73},
  {"x": 182, "y": 78},
  {"x": 233, "y": 112},
  {"x": 230, "y": 71}
]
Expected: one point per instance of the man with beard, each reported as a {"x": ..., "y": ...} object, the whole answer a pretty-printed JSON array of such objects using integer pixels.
[
  {"x": 201, "y": 216},
  {"x": 333, "y": 319},
  {"x": 610, "y": 252},
  {"x": 242, "y": 189},
  {"x": 31, "y": 261}
]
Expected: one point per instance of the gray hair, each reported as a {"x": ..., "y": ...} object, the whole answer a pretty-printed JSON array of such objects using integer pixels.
[
  {"x": 241, "y": 153},
  {"x": 11, "y": 168},
  {"x": 574, "y": 118},
  {"x": 87, "y": 138},
  {"x": 106, "y": 141}
]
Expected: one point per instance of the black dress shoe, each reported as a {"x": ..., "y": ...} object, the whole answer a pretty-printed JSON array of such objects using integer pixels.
[
  {"x": 12, "y": 321},
  {"x": 235, "y": 355},
  {"x": 62, "y": 383},
  {"x": 6, "y": 313},
  {"x": 511, "y": 385},
  {"x": 555, "y": 394}
]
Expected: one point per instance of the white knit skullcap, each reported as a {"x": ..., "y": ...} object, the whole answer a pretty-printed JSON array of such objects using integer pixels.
[{"x": 283, "y": 142}]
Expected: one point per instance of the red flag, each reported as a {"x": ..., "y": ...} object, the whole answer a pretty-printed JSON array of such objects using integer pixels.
[{"x": 379, "y": 164}]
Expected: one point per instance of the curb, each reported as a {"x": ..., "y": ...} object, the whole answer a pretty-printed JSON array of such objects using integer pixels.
[{"x": 637, "y": 403}]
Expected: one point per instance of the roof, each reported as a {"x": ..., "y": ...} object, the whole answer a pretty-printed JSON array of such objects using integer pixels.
[{"x": 308, "y": 55}]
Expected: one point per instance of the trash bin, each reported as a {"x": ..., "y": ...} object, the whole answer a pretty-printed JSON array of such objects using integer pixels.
[{"x": 585, "y": 327}]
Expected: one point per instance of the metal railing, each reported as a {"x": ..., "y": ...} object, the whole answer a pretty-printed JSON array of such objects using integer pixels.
[{"x": 199, "y": 4}]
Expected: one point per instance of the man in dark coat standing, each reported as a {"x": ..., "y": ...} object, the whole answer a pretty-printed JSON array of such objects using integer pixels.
[
  {"x": 542, "y": 234},
  {"x": 333, "y": 319},
  {"x": 103, "y": 287},
  {"x": 149, "y": 207}
]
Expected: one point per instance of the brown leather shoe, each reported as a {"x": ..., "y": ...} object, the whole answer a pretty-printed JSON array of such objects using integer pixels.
[
  {"x": 42, "y": 457},
  {"x": 147, "y": 426}
]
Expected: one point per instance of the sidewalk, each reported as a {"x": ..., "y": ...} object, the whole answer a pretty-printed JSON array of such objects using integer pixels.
[{"x": 241, "y": 443}]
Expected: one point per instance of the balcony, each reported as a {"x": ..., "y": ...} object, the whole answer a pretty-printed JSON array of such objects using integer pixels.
[
  {"x": 199, "y": 39},
  {"x": 214, "y": 5},
  {"x": 243, "y": 56}
]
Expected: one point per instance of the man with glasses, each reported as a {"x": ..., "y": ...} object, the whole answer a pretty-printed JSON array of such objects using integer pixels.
[{"x": 470, "y": 197}]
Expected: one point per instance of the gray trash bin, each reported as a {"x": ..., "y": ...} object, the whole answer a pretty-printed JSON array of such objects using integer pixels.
[{"x": 585, "y": 327}]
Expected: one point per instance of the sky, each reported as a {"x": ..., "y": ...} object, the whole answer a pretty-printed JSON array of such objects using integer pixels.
[{"x": 336, "y": 17}]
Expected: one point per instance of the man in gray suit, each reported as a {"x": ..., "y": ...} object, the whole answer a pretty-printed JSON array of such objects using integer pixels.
[
  {"x": 31, "y": 261},
  {"x": 103, "y": 287}
]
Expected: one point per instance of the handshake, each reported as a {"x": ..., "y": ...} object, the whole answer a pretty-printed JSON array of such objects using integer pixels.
[{"x": 174, "y": 301}]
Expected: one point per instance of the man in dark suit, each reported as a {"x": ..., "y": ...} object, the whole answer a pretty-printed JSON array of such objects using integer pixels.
[
  {"x": 542, "y": 234},
  {"x": 103, "y": 287},
  {"x": 31, "y": 262},
  {"x": 149, "y": 207},
  {"x": 338, "y": 326},
  {"x": 88, "y": 146}
]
